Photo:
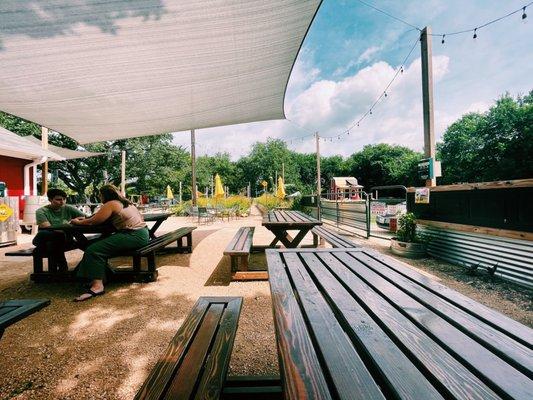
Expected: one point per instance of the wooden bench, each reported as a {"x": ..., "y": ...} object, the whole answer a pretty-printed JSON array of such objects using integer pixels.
[
  {"x": 156, "y": 245},
  {"x": 332, "y": 238},
  {"x": 239, "y": 250},
  {"x": 351, "y": 315},
  {"x": 197, "y": 359},
  {"x": 12, "y": 311}
]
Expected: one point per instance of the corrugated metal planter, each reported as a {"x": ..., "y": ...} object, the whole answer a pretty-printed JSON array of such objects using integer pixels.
[{"x": 408, "y": 250}]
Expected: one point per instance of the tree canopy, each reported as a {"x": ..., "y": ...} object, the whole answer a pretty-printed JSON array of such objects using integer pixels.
[{"x": 496, "y": 145}]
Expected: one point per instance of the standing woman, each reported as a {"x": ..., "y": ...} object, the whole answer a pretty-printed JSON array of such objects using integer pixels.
[{"x": 131, "y": 234}]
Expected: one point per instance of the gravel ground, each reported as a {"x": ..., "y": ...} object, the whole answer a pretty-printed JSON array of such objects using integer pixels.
[{"x": 104, "y": 348}]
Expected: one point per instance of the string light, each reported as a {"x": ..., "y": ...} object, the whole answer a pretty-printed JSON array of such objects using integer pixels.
[
  {"x": 442, "y": 41},
  {"x": 475, "y": 34},
  {"x": 524, "y": 15}
]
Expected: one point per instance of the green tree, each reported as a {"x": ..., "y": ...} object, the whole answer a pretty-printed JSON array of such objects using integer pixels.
[
  {"x": 496, "y": 145},
  {"x": 384, "y": 164}
]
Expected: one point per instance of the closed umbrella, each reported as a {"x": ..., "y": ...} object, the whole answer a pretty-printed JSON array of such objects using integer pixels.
[
  {"x": 170, "y": 195},
  {"x": 219, "y": 189},
  {"x": 280, "y": 192}
]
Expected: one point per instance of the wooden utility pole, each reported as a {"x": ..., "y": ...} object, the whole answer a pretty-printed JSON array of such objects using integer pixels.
[
  {"x": 193, "y": 168},
  {"x": 427, "y": 98},
  {"x": 44, "y": 169},
  {"x": 318, "y": 179},
  {"x": 123, "y": 174}
]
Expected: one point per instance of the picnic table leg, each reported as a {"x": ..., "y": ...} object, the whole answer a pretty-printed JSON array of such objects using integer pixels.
[
  {"x": 154, "y": 228},
  {"x": 299, "y": 237},
  {"x": 37, "y": 263}
]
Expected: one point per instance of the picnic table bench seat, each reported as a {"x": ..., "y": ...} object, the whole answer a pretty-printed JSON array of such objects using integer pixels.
[
  {"x": 12, "y": 311},
  {"x": 196, "y": 361},
  {"x": 156, "y": 245},
  {"x": 331, "y": 237},
  {"x": 239, "y": 249}
]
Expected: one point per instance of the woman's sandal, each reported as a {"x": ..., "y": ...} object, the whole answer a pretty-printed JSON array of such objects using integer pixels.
[{"x": 92, "y": 294}]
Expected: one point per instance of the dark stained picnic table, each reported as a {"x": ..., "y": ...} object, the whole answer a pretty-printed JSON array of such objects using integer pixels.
[
  {"x": 12, "y": 311},
  {"x": 281, "y": 221},
  {"x": 158, "y": 218},
  {"x": 355, "y": 324}
]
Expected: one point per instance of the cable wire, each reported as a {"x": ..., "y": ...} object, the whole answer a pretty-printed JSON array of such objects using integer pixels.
[{"x": 389, "y": 15}]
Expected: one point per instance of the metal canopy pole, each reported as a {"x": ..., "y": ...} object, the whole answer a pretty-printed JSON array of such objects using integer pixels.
[
  {"x": 427, "y": 98},
  {"x": 193, "y": 168},
  {"x": 44, "y": 169}
]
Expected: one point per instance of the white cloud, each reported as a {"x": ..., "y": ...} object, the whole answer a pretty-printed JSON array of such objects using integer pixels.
[{"x": 368, "y": 54}]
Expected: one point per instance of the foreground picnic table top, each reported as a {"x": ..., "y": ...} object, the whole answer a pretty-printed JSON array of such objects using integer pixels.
[{"x": 355, "y": 324}]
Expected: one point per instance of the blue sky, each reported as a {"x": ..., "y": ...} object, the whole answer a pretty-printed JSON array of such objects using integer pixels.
[{"x": 352, "y": 51}]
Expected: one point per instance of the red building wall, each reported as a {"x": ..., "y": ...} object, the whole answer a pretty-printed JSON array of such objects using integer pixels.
[{"x": 12, "y": 173}]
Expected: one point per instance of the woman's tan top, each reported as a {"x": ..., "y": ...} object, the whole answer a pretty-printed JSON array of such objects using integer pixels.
[{"x": 129, "y": 218}]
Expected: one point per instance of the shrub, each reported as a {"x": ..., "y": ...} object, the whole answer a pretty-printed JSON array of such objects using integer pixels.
[
  {"x": 271, "y": 202},
  {"x": 407, "y": 229}
]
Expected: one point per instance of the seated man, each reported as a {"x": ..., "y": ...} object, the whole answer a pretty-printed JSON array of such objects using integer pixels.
[{"x": 54, "y": 243}]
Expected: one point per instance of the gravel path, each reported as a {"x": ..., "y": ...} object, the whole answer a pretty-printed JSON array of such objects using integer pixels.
[{"x": 104, "y": 348}]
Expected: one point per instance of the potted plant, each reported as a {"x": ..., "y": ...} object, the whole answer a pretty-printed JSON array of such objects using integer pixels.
[{"x": 407, "y": 242}]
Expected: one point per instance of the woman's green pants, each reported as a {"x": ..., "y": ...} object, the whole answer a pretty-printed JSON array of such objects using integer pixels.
[{"x": 94, "y": 261}]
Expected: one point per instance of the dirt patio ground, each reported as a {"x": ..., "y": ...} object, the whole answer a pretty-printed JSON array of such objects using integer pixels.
[{"x": 104, "y": 348}]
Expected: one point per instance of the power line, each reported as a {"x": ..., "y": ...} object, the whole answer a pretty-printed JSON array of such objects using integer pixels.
[{"x": 390, "y": 15}]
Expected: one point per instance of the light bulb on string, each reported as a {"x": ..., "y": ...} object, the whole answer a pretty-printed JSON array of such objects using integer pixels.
[
  {"x": 370, "y": 112},
  {"x": 524, "y": 15},
  {"x": 475, "y": 34},
  {"x": 442, "y": 41},
  {"x": 401, "y": 69},
  {"x": 385, "y": 93}
]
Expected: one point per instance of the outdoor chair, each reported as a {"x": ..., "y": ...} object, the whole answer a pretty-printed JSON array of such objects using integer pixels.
[
  {"x": 205, "y": 215},
  {"x": 192, "y": 213}
]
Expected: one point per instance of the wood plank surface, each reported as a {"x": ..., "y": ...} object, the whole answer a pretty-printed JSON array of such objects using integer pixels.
[
  {"x": 184, "y": 381},
  {"x": 161, "y": 375},
  {"x": 12, "y": 311},
  {"x": 393, "y": 369},
  {"x": 451, "y": 377},
  {"x": 300, "y": 369},
  {"x": 510, "y": 327},
  {"x": 511, "y": 351},
  {"x": 352, "y": 315},
  {"x": 496, "y": 373},
  {"x": 349, "y": 374},
  {"x": 212, "y": 382}
]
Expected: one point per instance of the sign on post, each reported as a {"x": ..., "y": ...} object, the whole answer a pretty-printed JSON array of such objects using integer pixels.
[{"x": 428, "y": 168}]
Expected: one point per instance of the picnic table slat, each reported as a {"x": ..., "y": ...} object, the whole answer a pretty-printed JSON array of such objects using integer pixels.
[
  {"x": 395, "y": 369},
  {"x": 193, "y": 361},
  {"x": 211, "y": 382},
  {"x": 470, "y": 352},
  {"x": 161, "y": 375},
  {"x": 509, "y": 326},
  {"x": 513, "y": 352},
  {"x": 447, "y": 372},
  {"x": 300, "y": 365},
  {"x": 349, "y": 373},
  {"x": 19, "y": 309}
]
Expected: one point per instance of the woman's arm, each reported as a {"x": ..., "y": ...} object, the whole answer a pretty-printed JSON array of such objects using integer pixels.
[{"x": 101, "y": 216}]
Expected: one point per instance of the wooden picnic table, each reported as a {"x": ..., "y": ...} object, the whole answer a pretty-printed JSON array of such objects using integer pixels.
[
  {"x": 158, "y": 218},
  {"x": 354, "y": 324},
  {"x": 281, "y": 221},
  {"x": 12, "y": 311}
]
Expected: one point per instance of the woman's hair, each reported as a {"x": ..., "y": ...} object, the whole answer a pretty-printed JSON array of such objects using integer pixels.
[{"x": 110, "y": 192}]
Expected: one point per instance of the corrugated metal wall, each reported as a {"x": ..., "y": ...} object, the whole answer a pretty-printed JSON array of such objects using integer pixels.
[{"x": 513, "y": 257}]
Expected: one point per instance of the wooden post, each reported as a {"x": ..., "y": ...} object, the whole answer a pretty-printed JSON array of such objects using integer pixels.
[
  {"x": 193, "y": 169},
  {"x": 318, "y": 179},
  {"x": 123, "y": 174},
  {"x": 44, "y": 169},
  {"x": 427, "y": 98},
  {"x": 180, "y": 192}
]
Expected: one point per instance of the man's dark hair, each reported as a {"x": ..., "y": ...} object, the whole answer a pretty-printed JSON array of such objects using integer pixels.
[{"x": 51, "y": 193}]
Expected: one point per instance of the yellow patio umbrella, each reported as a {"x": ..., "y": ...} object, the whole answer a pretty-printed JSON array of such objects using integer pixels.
[
  {"x": 170, "y": 195},
  {"x": 280, "y": 192},
  {"x": 219, "y": 189}
]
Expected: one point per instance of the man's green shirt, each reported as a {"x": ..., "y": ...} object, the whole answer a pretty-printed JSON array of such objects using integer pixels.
[{"x": 57, "y": 217}]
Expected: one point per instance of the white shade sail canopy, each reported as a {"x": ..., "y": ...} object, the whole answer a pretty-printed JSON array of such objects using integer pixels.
[
  {"x": 13, "y": 145},
  {"x": 126, "y": 68},
  {"x": 67, "y": 154}
]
